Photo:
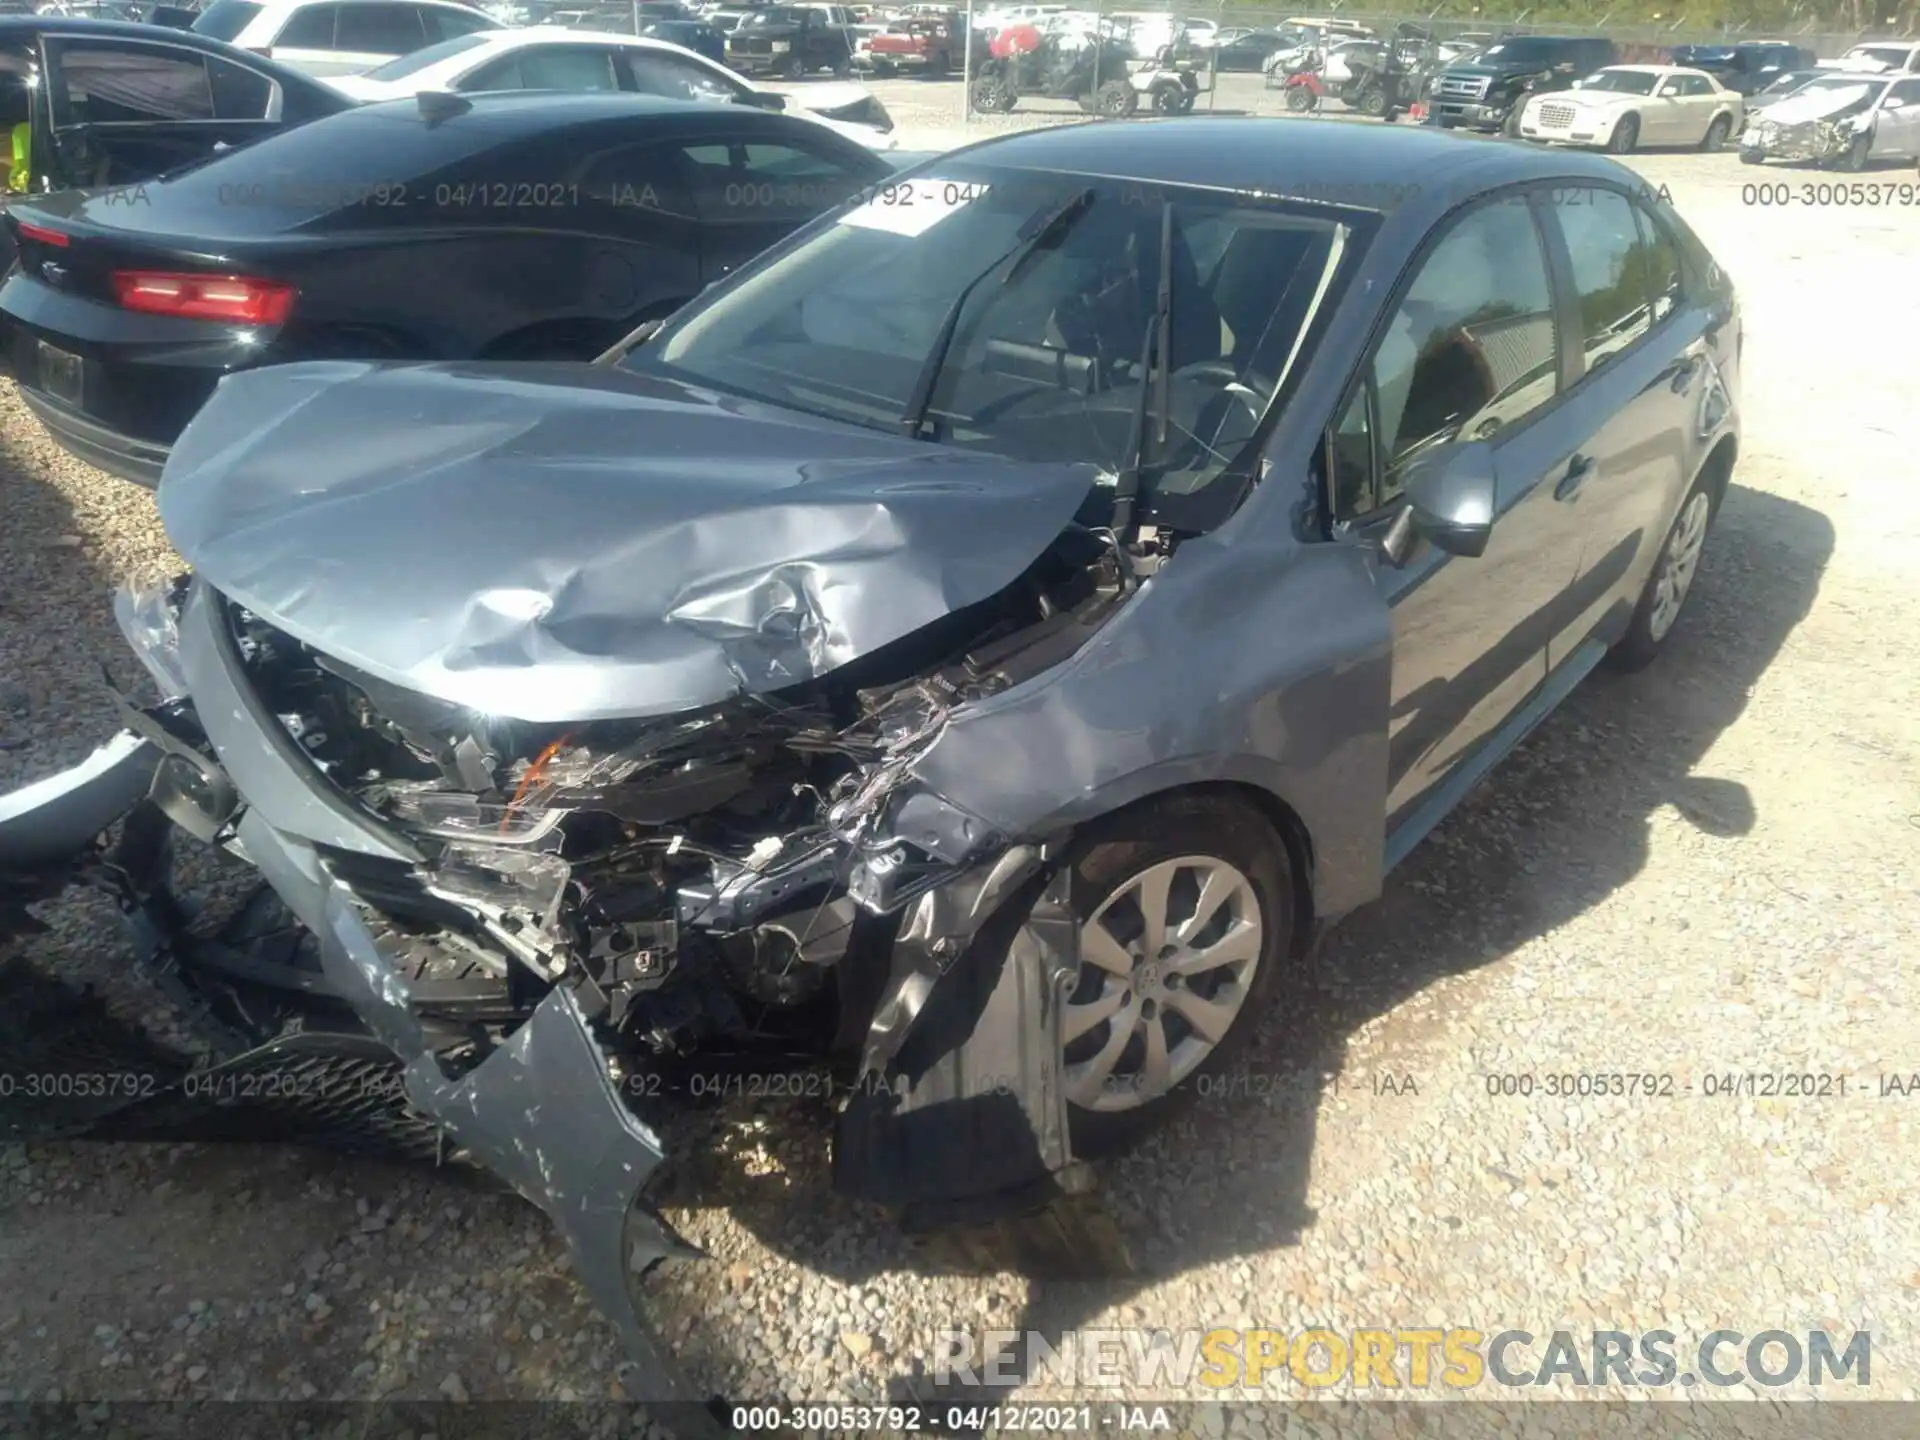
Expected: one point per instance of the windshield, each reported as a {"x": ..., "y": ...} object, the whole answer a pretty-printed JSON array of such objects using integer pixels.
[
  {"x": 761, "y": 18},
  {"x": 224, "y": 19},
  {"x": 1883, "y": 54},
  {"x": 1045, "y": 360},
  {"x": 1627, "y": 82},
  {"x": 1526, "y": 51},
  {"x": 1837, "y": 85},
  {"x": 425, "y": 59}
]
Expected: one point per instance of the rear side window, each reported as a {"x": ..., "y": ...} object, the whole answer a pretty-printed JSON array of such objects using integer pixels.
[
  {"x": 651, "y": 178},
  {"x": 105, "y": 83},
  {"x": 1666, "y": 277},
  {"x": 675, "y": 78},
  {"x": 238, "y": 93},
  {"x": 1610, "y": 264},
  {"x": 567, "y": 67},
  {"x": 310, "y": 28},
  {"x": 377, "y": 29},
  {"x": 766, "y": 182},
  {"x": 225, "y": 19}
]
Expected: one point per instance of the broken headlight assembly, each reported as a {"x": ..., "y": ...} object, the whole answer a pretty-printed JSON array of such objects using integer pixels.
[{"x": 149, "y": 617}]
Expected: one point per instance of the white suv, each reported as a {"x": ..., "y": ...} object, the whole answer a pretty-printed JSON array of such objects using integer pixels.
[{"x": 338, "y": 37}]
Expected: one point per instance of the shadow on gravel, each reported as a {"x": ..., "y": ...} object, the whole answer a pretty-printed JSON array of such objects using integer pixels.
[{"x": 1559, "y": 826}]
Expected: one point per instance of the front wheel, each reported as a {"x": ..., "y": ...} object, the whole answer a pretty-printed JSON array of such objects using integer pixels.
[
  {"x": 1717, "y": 133},
  {"x": 1116, "y": 100},
  {"x": 1186, "y": 917},
  {"x": 1371, "y": 102},
  {"x": 1858, "y": 149},
  {"x": 1669, "y": 585},
  {"x": 1626, "y": 135},
  {"x": 1170, "y": 100},
  {"x": 794, "y": 68},
  {"x": 1301, "y": 99},
  {"x": 993, "y": 95}
]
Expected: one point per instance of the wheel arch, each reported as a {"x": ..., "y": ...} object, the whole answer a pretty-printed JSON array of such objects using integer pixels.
[
  {"x": 1717, "y": 468},
  {"x": 1281, "y": 817}
]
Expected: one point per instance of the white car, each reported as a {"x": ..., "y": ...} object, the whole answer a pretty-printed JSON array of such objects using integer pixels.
[
  {"x": 338, "y": 37},
  {"x": 1879, "y": 57},
  {"x": 1623, "y": 107},
  {"x": 556, "y": 58},
  {"x": 1844, "y": 120}
]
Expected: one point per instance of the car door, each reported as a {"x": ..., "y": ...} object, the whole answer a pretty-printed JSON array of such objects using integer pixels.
[
  {"x": 1641, "y": 364},
  {"x": 306, "y": 41},
  {"x": 1471, "y": 353},
  {"x": 1896, "y": 130},
  {"x": 372, "y": 32},
  {"x": 125, "y": 110},
  {"x": 750, "y": 194},
  {"x": 1663, "y": 114}
]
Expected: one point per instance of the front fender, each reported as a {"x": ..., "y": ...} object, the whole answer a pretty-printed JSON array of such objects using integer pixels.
[{"x": 1267, "y": 663}]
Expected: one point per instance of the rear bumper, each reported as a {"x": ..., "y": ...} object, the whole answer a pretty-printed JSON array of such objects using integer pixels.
[{"x": 140, "y": 461}]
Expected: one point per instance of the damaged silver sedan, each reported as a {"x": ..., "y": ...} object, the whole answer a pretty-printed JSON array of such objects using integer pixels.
[{"x": 973, "y": 650}]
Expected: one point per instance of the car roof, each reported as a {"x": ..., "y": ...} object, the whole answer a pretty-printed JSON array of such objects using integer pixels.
[
  {"x": 274, "y": 7},
  {"x": 540, "y": 109},
  {"x": 1312, "y": 158}
]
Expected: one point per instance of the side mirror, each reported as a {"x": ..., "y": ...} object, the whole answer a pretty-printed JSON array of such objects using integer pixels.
[{"x": 1450, "y": 498}]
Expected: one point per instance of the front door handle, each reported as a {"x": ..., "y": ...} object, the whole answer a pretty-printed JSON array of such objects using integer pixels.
[{"x": 1578, "y": 469}]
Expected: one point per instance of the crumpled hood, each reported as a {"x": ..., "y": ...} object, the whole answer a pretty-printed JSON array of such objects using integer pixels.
[
  {"x": 1817, "y": 105},
  {"x": 560, "y": 542}
]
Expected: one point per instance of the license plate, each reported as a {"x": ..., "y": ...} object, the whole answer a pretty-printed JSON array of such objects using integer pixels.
[{"x": 63, "y": 375}]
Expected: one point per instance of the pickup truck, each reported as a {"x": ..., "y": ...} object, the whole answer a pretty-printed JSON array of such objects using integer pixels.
[{"x": 925, "y": 44}]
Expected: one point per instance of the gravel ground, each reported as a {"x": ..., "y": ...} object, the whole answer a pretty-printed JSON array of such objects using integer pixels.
[{"x": 1709, "y": 868}]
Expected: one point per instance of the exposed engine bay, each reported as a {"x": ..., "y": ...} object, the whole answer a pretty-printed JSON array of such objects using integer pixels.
[{"x": 697, "y": 878}]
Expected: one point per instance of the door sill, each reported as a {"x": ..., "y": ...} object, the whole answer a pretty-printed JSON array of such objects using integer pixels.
[{"x": 1430, "y": 811}]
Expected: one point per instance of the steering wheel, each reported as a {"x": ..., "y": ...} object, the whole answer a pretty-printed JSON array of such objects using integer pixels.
[{"x": 1232, "y": 388}]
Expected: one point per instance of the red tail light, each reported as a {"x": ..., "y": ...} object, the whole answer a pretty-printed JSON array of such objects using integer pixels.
[
  {"x": 205, "y": 297},
  {"x": 40, "y": 233}
]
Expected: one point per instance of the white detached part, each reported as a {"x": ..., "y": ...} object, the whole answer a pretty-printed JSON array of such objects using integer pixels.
[{"x": 555, "y": 58}]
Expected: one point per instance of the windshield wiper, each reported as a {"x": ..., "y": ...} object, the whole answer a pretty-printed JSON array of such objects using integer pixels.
[
  {"x": 1033, "y": 239},
  {"x": 1156, "y": 351}
]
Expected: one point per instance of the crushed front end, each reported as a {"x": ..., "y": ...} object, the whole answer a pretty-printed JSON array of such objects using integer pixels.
[{"x": 529, "y": 915}]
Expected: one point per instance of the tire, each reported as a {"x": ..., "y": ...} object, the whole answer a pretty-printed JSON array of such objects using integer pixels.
[
  {"x": 1750, "y": 156},
  {"x": 992, "y": 95},
  {"x": 1301, "y": 100},
  {"x": 1855, "y": 159},
  {"x": 1371, "y": 102},
  {"x": 1716, "y": 137},
  {"x": 1657, "y": 612},
  {"x": 1625, "y": 137},
  {"x": 1168, "y": 100},
  {"x": 1510, "y": 127},
  {"x": 1443, "y": 122},
  {"x": 1151, "y": 841},
  {"x": 842, "y": 69},
  {"x": 794, "y": 68},
  {"x": 1116, "y": 100}
]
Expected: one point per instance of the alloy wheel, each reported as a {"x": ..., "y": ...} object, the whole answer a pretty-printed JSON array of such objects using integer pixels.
[
  {"x": 1678, "y": 565},
  {"x": 1166, "y": 963}
]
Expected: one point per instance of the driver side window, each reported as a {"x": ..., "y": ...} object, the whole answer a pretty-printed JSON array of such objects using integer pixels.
[{"x": 1471, "y": 350}]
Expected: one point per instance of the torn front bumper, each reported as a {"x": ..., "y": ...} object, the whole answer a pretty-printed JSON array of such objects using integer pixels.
[
  {"x": 1816, "y": 140},
  {"x": 540, "y": 1110}
]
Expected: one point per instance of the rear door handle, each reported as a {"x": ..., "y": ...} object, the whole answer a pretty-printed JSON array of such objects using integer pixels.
[{"x": 1578, "y": 469}]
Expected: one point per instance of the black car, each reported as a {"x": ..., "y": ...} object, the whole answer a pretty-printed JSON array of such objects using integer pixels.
[
  {"x": 1248, "y": 52},
  {"x": 91, "y": 102},
  {"x": 1749, "y": 67},
  {"x": 1488, "y": 92},
  {"x": 793, "y": 42},
  {"x": 510, "y": 226},
  {"x": 694, "y": 35}
]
